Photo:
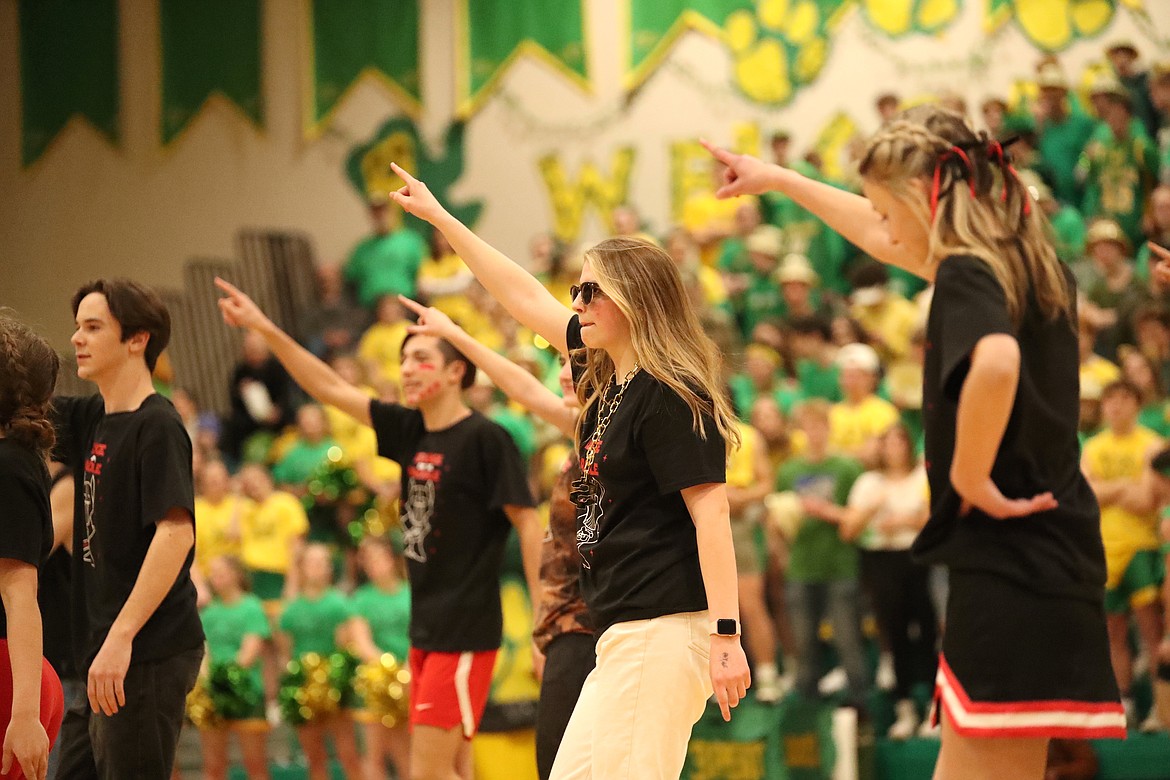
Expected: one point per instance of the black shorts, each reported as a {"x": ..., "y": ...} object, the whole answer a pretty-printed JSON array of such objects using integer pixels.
[{"x": 1016, "y": 663}]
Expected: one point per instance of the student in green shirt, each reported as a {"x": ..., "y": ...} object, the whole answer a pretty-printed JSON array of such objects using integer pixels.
[
  {"x": 315, "y": 621},
  {"x": 823, "y": 567},
  {"x": 387, "y": 261},
  {"x": 817, "y": 372},
  {"x": 236, "y": 629},
  {"x": 1062, "y": 132},
  {"x": 381, "y": 624}
]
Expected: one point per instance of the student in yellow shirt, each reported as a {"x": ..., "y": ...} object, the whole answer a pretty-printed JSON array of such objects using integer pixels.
[
  {"x": 271, "y": 536},
  {"x": 219, "y": 516},
  {"x": 861, "y": 417},
  {"x": 1115, "y": 462},
  {"x": 381, "y": 344},
  {"x": 889, "y": 318},
  {"x": 710, "y": 220},
  {"x": 444, "y": 280}
]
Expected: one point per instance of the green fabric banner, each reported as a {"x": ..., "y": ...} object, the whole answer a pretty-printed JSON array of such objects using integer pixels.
[
  {"x": 209, "y": 47},
  {"x": 655, "y": 26},
  {"x": 352, "y": 38},
  {"x": 493, "y": 33},
  {"x": 68, "y": 66}
]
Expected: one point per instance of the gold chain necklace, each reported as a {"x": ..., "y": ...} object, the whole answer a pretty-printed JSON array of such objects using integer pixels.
[{"x": 583, "y": 489}]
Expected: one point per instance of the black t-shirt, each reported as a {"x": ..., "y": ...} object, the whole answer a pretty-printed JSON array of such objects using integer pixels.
[
  {"x": 455, "y": 485},
  {"x": 1059, "y": 551},
  {"x": 26, "y": 522},
  {"x": 639, "y": 550},
  {"x": 131, "y": 469}
]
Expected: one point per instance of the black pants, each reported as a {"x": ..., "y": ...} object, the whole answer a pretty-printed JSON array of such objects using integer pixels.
[
  {"x": 568, "y": 661},
  {"x": 900, "y": 591},
  {"x": 74, "y": 756},
  {"x": 139, "y": 740}
]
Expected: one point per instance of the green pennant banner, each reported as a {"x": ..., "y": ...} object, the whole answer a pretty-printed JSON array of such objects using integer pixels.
[
  {"x": 656, "y": 25},
  {"x": 353, "y": 38},
  {"x": 209, "y": 48},
  {"x": 68, "y": 66},
  {"x": 493, "y": 33}
]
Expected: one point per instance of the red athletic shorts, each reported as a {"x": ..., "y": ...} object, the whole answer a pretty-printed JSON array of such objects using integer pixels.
[
  {"x": 450, "y": 689},
  {"x": 52, "y": 703}
]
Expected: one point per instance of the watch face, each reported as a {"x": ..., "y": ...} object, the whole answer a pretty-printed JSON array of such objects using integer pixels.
[{"x": 725, "y": 627}]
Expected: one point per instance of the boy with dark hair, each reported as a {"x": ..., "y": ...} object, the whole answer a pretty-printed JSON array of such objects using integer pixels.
[
  {"x": 463, "y": 486},
  {"x": 137, "y": 627}
]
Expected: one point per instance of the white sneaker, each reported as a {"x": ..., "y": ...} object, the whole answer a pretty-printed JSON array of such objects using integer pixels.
[
  {"x": 766, "y": 684},
  {"x": 272, "y": 713},
  {"x": 833, "y": 682},
  {"x": 1152, "y": 724},
  {"x": 905, "y": 722},
  {"x": 885, "y": 679}
]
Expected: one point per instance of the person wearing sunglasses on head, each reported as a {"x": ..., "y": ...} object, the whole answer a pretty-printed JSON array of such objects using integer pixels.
[{"x": 653, "y": 528}]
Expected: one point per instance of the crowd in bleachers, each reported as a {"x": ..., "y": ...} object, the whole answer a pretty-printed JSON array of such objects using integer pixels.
[{"x": 824, "y": 351}]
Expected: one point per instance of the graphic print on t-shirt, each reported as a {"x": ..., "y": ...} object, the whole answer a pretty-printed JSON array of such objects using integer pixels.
[
  {"x": 93, "y": 470},
  {"x": 590, "y": 515},
  {"x": 419, "y": 504}
]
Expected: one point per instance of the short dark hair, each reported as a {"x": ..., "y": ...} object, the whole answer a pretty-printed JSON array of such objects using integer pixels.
[
  {"x": 137, "y": 309},
  {"x": 812, "y": 326},
  {"x": 1122, "y": 386},
  {"x": 450, "y": 353},
  {"x": 869, "y": 274}
]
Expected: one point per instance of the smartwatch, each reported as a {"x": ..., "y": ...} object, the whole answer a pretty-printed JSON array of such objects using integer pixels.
[{"x": 725, "y": 627}]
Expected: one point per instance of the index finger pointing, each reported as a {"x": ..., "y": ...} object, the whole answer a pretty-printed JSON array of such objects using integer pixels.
[
  {"x": 406, "y": 177},
  {"x": 718, "y": 152},
  {"x": 227, "y": 286},
  {"x": 1160, "y": 251},
  {"x": 414, "y": 306}
]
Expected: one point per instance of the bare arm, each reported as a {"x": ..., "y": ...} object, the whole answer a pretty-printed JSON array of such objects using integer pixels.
[
  {"x": 250, "y": 650},
  {"x": 312, "y": 374},
  {"x": 709, "y": 510},
  {"x": 516, "y": 382},
  {"x": 985, "y": 404},
  {"x": 520, "y": 292},
  {"x": 25, "y": 740},
  {"x": 850, "y": 215},
  {"x": 524, "y": 519},
  {"x": 61, "y": 505},
  {"x": 361, "y": 640},
  {"x": 174, "y": 537}
]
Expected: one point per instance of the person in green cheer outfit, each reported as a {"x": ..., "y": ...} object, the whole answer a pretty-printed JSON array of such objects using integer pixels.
[
  {"x": 236, "y": 629},
  {"x": 315, "y": 622},
  {"x": 381, "y": 624},
  {"x": 387, "y": 261}
]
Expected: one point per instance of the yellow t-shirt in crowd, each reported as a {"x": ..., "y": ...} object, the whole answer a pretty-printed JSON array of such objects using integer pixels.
[
  {"x": 268, "y": 532},
  {"x": 381, "y": 347},
  {"x": 1108, "y": 456},
  {"x": 703, "y": 212},
  {"x": 212, "y": 528},
  {"x": 1099, "y": 370},
  {"x": 454, "y": 305},
  {"x": 741, "y": 464},
  {"x": 894, "y": 320},
  {"x": 850, "y": 427}
]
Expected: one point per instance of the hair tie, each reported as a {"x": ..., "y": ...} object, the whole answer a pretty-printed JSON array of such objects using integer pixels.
[
  {"x": 944, "y": 158},
  {"x": 995, "y": 150}
]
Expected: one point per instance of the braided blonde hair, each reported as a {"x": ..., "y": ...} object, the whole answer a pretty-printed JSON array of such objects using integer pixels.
[
  {"x": 982, "y": 208},
  {"x": 28, "y": 373},
  {"x": 669, "y": 343}
]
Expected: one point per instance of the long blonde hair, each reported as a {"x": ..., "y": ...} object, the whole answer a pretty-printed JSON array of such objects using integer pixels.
[
  {"x": 668, "y": 340},
  {"x": 981, "y": 207}
]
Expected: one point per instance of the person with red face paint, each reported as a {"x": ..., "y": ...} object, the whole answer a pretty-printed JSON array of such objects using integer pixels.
[
  {"x": 463, "y": 487},
  {"x": 653, "y": 521},
  {"x": 1025, "y": 655}
]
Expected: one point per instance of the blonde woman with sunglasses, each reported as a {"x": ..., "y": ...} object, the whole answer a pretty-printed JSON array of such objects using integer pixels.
[{"x": 654, "y": 535}]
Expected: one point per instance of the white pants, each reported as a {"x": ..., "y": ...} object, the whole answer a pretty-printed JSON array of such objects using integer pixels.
[{"x": 634, "y": 717}]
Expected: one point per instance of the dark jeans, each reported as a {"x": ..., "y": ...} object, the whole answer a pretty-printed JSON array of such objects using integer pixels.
[
  {"x": 139, "y": 740},
  {"x": 568, "y": 661},
  {"x": 808, "y": 604},
  {"x": 900, "y": 591},
  {"x": 72, "y": 756}
]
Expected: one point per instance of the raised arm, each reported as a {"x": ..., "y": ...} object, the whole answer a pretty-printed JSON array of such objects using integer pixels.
[
  {"x": 850, "y": 215},
  {"x": 312, "y": 374},
  {"x": 520, "y": 292},
  {"x": 517, "y": 383}
]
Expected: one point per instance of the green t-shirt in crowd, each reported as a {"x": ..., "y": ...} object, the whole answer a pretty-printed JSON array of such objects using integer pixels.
[
  {"x": 744, "y": 395},
  {"x": 1154, "y": 417},
  {"x": 388, "y": 615},
  {"x": 818, "y": 553},
  {"x": 385, "y": 265},
  {"x": 312, "y": 624},
  {"x": 227, "y": 625},
  {"x": 1118, "y": 174},
  {"x": 300, "y": 461},
  {"x": 1060, "y": 145},
  {"x": 817, "y": 381},
  {"x": 519, "y": 426},
  {"x": 762, "y": 301},
  {"x": 1068, "y": 230}
]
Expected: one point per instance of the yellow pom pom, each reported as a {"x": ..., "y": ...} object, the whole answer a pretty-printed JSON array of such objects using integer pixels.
[{"x": 384, "y": 685}]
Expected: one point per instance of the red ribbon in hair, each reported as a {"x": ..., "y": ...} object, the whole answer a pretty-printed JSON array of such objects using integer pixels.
[
  {"x": 995, "y": 151},
  {"x": 943, "y": 158}
]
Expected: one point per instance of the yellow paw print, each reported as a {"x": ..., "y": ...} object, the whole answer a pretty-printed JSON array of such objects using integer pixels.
[
  {"x": 1054, "y": 24},
  {"x": 781, "y": 47},
  {"x": 898, "y": 17}
]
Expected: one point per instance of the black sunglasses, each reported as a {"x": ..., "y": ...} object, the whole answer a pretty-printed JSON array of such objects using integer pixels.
[{"x": 586, "y": 290}]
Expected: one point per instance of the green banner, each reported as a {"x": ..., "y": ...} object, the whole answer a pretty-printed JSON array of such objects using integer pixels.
[
  {"x": 656, "y": 25},
  {"x": 494, "y": 33},
  {"x": 209, "y": 48},
  {"x": 68, "y": 66},
  {"x": 353, "y": 38},
  {"x": 1053, "y": 27}
]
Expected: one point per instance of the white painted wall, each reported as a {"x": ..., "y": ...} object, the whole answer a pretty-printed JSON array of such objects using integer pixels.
[{"x": 87, "y": 209}]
